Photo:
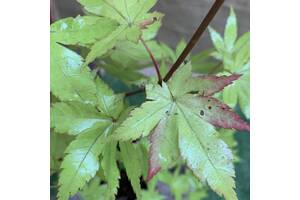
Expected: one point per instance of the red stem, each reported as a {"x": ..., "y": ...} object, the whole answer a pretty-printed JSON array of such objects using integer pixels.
[{"x": 153, "y": 60}]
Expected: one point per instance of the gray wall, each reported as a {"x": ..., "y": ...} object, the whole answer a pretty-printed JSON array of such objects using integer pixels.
[{"x": 182, "y": 17}]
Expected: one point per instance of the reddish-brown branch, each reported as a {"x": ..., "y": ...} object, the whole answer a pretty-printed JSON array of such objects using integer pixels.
[
  {"x": 153, "y": 60},
  {"x": 204, "y": 24}
]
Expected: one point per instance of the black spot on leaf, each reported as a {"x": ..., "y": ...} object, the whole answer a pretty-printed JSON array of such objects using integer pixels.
[{"x": 201, "y": 112}]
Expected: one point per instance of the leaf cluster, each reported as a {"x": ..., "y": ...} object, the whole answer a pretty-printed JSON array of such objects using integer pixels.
[{"x": 96, "y": 133}]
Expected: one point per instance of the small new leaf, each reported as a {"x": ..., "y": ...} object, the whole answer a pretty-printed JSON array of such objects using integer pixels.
[{"x": 235, "y": 59}]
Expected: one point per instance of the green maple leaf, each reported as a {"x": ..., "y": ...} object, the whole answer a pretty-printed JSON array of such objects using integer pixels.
[
  {"x": 132, "y": 16},
  {"x": 181, "y": 115},
  {"x": 234, "y": 53},
  {"x": 92, "y": 122}
]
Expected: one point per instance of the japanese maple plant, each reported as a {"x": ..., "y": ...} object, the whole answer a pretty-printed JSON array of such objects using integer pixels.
[{"x": 97, "y": 132}]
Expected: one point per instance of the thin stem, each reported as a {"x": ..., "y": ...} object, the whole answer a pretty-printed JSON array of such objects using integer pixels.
[
  {"x": 134, "y": 92},
  {"x": 199, "y": 32},
  {"x": 153, "y": 60}
]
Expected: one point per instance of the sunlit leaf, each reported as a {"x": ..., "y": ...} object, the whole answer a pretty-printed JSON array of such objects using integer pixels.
[{"x": 207, "y": 156}]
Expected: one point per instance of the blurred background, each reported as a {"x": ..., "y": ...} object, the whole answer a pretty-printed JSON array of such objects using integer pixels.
[{"x": 182, "y": 17}]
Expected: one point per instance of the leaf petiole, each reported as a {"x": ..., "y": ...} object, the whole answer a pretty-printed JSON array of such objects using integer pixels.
[{"x": 153, "y": 60}]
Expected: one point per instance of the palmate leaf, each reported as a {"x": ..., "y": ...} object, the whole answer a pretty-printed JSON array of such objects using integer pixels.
[
  {"x": 93, "y": 123},
  {"x": 130, "y": 14},
  {"x": 234, "y": 54},
  {"x": 197, "y": 142},
  {"x": 82, "y": 31},
  {"x": 81, "y": 162}
]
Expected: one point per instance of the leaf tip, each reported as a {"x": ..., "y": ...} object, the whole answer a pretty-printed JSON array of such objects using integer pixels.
[{"x": 152, "y": 172}]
